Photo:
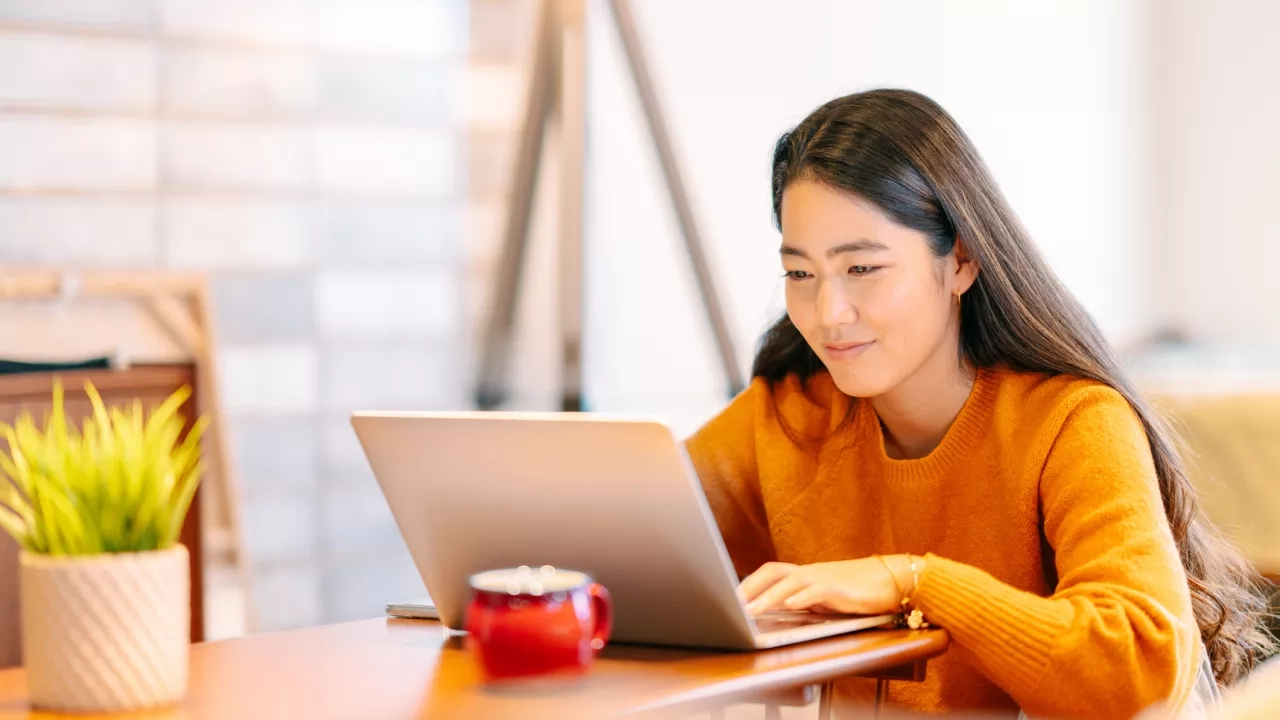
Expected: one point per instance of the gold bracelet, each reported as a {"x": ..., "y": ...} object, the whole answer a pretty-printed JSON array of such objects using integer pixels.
[
  {"x": 897, "y": 585},
  {"x": 915, "y": 618},
  {"x": 894, "y": 577}
]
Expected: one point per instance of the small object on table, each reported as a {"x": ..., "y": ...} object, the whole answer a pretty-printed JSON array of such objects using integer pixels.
[
  {"x": 543, "y": 624},
  {"x": 422, "y": 608}
]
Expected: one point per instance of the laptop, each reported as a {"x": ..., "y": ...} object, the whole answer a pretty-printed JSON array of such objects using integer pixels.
[{"x": 614, "y": 496}]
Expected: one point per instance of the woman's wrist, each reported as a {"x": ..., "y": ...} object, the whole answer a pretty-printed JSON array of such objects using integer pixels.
[
  {"x": 902, "y": 572},
  {"x": 915, "y": 618},
  {"x": 917, "y": 572}
]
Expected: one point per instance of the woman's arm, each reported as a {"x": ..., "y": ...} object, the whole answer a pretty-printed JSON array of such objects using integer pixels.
[
  {"x": 723, "y": 453},
  {"x": 1118, "y": 634}
]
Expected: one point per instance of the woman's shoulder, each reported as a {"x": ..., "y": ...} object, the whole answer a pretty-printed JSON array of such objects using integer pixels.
[
  {"x": 1046, "y": 388},
  {"x": 1043, "y": 403}
]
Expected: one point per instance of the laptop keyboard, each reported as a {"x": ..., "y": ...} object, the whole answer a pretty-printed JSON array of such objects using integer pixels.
[{"x": 772, "y": 622}]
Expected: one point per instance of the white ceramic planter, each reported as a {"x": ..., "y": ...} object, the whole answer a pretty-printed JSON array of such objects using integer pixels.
[{"x": 106, "y": 632}]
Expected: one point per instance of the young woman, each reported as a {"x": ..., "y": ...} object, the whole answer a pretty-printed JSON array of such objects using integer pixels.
[{"x": 937, "y": 425}]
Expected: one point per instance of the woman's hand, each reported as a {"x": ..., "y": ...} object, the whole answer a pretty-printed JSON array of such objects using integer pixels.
[{"x": 856, "y": 587}]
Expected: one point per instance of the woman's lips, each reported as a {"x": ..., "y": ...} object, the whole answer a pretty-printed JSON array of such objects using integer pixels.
[{"x": 845, "y": 351}]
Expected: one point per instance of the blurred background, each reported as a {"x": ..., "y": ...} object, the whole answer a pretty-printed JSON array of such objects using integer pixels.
[{"x": 340, "y": 170}]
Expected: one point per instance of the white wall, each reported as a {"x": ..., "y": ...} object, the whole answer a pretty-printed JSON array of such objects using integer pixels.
[
  {"x": 1053, "y": 94},
  {"x": 1220, "y": 69}
]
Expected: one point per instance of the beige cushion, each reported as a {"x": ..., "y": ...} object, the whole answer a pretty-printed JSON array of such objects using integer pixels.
[{"x": 1233, "y": 457}]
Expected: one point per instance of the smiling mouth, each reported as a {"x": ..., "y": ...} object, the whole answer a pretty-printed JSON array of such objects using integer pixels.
[{"x": 847, "y": 350}]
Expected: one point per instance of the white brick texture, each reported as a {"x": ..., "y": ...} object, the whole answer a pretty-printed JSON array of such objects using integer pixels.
[
  {"x": 204, "y": 156},
  {"x": 76, "y": 72},
  {"x": 386, "y": 160},
  {"x": 77, "y": 153},
  {"x": 218, "y": 233},
  {"x": 252, "y": 82},
  {"x": 259, "y": 379},
  {"x": 280, "y": 526},
  {"x": 388, "y": 303},
  {"x": 83, "y": 232},
  {"x": 265, "y": 21},
  {"x": 308, "y": 157}
]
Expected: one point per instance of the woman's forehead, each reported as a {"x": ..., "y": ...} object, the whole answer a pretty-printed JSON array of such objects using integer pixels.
[{"x": 817, "y": 219}]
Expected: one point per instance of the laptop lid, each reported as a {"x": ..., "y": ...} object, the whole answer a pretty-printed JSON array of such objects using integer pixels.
[{"x": 612, "y": 496}]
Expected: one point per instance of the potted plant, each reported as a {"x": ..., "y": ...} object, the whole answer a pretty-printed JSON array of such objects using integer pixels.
[{"x": 104, "y": 584}]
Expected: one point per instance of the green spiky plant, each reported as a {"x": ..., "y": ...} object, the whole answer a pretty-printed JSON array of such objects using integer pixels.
[{"x": 122, "y": 483}]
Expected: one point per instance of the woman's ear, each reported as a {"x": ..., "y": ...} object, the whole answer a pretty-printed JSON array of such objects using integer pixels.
[{"x": 966, "y": 268}]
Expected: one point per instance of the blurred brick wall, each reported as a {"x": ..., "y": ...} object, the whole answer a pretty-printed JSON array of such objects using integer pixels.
[{"x": 310, "y": 156}]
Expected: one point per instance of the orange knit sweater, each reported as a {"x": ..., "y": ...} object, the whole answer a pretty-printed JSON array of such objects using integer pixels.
[{"x": 1049, "y": 559}]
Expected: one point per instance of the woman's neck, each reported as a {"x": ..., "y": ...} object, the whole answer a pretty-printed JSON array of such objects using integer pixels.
[{"x": 918, "y": 411}]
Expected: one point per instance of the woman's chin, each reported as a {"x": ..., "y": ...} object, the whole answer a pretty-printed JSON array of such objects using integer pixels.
[{"x": 859, "y": 384}]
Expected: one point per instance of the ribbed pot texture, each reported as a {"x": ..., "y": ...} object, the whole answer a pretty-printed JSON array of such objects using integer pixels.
[{"x": 106, "y": 632}]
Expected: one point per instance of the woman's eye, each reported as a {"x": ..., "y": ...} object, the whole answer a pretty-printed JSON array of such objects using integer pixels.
[
  {"x": 861, "y": 270},
  {"x": 796, "y": 274}
]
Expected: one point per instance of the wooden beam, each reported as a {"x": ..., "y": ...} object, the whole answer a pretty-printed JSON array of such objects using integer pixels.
[
  {"x": 127, "y": 285},
  {"x": 175, "y": 317}
]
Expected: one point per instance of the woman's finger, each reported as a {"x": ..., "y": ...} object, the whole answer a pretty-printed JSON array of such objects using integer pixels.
[
  {"x": 808, "y": 597},
  {"x": 775, "y": 597},
  {"x": 763, "y": 579}
]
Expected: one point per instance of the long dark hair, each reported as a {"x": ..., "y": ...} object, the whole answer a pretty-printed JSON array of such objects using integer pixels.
[{"x": 902, "y": 152}]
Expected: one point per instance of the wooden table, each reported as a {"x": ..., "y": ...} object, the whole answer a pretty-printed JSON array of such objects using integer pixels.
[{"x": 388, "y": 668}]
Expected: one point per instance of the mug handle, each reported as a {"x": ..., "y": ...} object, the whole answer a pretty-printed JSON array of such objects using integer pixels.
[{"x": 602, "y": 603}]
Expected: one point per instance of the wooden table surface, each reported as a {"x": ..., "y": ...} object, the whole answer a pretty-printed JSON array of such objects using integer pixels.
[{"x": 388, "y": 668}]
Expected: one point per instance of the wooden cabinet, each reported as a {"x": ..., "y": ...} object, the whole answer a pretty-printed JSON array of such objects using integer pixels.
[{"x": 150, "y": 383}]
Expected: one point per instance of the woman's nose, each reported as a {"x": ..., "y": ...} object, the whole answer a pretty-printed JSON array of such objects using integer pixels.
[{"x": 834, "y": 307}]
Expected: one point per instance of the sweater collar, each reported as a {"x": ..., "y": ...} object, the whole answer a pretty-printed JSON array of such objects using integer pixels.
[{"x": 965, "y": 433}]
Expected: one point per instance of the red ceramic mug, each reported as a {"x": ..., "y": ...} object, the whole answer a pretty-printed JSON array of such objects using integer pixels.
[{"x": 536, "y": 623}]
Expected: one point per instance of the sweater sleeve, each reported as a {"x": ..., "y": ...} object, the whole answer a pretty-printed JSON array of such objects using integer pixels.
[
  {"x": 723, "y": 453},
  {"x": 1118, "y": 634}
]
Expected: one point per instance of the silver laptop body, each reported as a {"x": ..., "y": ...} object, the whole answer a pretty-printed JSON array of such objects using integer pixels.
[{"x": 612, "y": 496}]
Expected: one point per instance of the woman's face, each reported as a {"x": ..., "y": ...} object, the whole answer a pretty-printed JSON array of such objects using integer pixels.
[{"x": 867, "y": 294}]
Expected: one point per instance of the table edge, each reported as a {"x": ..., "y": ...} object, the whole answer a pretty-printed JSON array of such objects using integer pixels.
[{"x": 922, "y": 645}]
